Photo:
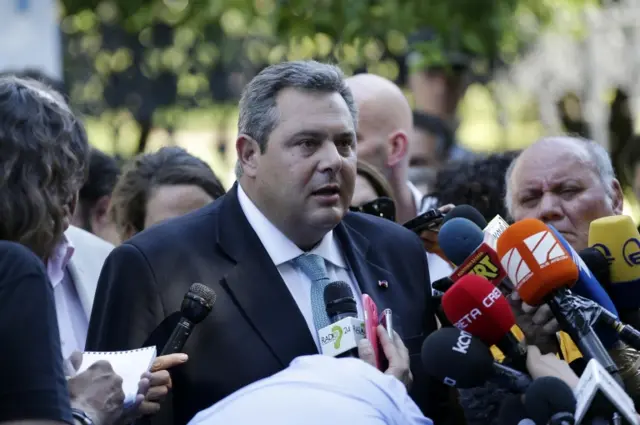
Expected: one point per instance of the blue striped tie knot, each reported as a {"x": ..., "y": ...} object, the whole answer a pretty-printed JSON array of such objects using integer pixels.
[{"x": 315, "y": 268}]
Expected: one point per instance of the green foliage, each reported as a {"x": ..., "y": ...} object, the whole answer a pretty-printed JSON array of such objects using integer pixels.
[
  {"x": 290, "y": 27},
  {"x": 145, "y": 59}
]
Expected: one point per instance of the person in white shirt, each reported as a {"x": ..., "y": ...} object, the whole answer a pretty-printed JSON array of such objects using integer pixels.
[{"x": 320, "y": 390}]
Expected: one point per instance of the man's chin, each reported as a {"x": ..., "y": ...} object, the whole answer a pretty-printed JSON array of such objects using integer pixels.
[{"x": 328, "y": 217}]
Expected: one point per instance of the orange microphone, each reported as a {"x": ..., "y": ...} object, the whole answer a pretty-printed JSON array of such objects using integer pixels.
[
  {"x": 542, "y": 270},
  {"x": 535, "y": 261}
]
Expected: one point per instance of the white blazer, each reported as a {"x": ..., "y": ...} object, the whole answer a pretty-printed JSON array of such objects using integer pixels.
[{"x": 86, "y": 263}]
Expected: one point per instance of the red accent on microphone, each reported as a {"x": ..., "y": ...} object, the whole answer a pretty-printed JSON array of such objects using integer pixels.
[
  {"x": 475, "y": 305},
  {"x": 483, "y": 262}
]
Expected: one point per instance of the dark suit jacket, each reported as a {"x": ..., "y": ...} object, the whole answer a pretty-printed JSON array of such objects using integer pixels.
[{"x": 255, "y": 328}]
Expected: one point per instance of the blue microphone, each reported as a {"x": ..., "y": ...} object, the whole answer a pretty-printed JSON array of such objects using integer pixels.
[{"x": 588, "y": 286}]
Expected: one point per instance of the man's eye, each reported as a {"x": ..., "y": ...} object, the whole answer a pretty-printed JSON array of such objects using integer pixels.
[{"x": 527, "y": 200}]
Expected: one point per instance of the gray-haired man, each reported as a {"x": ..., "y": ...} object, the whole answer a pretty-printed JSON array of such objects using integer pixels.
[{"x": 268, "y": 248}]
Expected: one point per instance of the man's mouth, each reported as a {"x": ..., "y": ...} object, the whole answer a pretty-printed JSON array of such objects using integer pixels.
[{"x": 328, "y": 190}]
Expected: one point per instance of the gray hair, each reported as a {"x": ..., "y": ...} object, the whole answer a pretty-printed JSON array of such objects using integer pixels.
[
  {"x": 258, "y": 111},
  {"x": 598, "y": 155}
]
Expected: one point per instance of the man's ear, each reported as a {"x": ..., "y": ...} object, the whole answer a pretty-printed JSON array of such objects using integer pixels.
[
  {"x": 617, "y": 199},
  {"x": 248, "y": 152},
  {"x": 398, "y": 148}
]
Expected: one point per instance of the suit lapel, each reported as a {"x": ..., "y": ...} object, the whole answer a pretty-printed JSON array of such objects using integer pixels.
[
  {"x": 84, "y": 283},
  {"x": 370, "y": 276},
  {"x": 257, "y": 287}
]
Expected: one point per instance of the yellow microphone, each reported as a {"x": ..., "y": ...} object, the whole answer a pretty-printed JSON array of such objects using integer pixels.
[{"x": 617, "y": 238}]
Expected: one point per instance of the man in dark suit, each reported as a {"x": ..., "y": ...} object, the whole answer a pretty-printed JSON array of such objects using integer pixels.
[{"x": 268, "y": 248}]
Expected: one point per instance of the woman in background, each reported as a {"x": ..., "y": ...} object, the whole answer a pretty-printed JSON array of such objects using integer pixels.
[
  {"x": 157, "y": 186},
  {"x": 372, "y": 193}
]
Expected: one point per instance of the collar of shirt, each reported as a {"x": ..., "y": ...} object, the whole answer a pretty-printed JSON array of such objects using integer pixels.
[
  {"x": 59, "y": 260},
  {"x": 417, "y": 196},
  {"x": 278, "y": 246}
]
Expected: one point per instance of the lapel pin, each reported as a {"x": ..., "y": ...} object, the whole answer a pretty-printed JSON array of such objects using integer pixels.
[{"x": 383, "y": 284}]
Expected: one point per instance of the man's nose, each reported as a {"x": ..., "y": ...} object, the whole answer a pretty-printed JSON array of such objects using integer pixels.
[
  {"x": 550, "y": 208},
  {"x": 330, "y": 158}
]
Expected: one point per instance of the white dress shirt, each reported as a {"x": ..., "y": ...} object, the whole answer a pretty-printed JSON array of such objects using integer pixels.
[
  {"x": 318, "y": 390},
  {"x": 73, "y": 323},
  {"x": 438, "y": 268},
  {"x": 281, "y": 251}
]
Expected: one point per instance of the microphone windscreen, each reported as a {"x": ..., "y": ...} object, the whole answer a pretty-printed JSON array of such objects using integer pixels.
[
  {"x": 598, "y": 264},
  {"x": 336, "y": 291},
  {"x": 617, "y": 238},
  {"x": 473, "y": 304},
  {"x": 512, "y": 411},
  {"x": 547, "y": 396},
  {"x": 458, "y": 238},
  {"x": 535, "y": 261},
  {"x": 456, "y": 358},
  {"x": 198, "y": 302},
  {"x": 468, "y": 212},
  {"x": 443, "y": 284}
]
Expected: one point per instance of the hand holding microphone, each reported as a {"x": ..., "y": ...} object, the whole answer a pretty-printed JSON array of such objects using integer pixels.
[
  {"x": 345, "y": 336},
  {"x": 540, "y": 365},
  {"x": 394, "y": 350},
  {"x": 542, "y": 271},
  {"x": 537, "y": 323}
]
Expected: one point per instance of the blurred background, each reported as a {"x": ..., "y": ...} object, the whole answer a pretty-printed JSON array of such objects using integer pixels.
[{"x": 494, "y": 75}]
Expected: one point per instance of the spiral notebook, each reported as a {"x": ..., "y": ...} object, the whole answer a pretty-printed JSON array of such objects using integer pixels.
[{"x": 129, "y": 365}]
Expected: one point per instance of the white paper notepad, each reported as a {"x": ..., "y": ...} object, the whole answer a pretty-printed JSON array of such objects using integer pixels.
[{"x": 129, "y": 365}]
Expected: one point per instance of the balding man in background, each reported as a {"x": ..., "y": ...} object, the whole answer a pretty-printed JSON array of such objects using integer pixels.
[
  {"x": 384, "y": 126},
  {"x": 385, "y": 123},
  {"x": 566, "y": 182}
]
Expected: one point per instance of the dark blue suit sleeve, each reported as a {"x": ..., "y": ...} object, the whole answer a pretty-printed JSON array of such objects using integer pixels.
[
  {"x": 31, "y": 372},
  {"x": 127, "y": 306}
]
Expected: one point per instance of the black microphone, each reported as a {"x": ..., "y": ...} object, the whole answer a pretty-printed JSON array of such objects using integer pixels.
[
  {"x": 598, "y": 264},
  {"x": 468, "y": 212},
  {"x": 627, "y": 333},
  {"x": 340, "y": 338},
  {"x": 196, "y": 305},
  {"x": 460, "y": 360},
  {"x": 512, "y": 412},
  {"x": 549, "y": 400},
  {"x": 436, "y": 300},
  {"x": 443, "y": 284},
  {"x": 339, "y": 301}
]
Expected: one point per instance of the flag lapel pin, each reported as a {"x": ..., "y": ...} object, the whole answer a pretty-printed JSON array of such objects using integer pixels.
[{"x": 383, "y": 284}]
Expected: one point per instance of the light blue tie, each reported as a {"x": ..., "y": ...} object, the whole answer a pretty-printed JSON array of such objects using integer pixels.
[{"x": 314, "y": 267}]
